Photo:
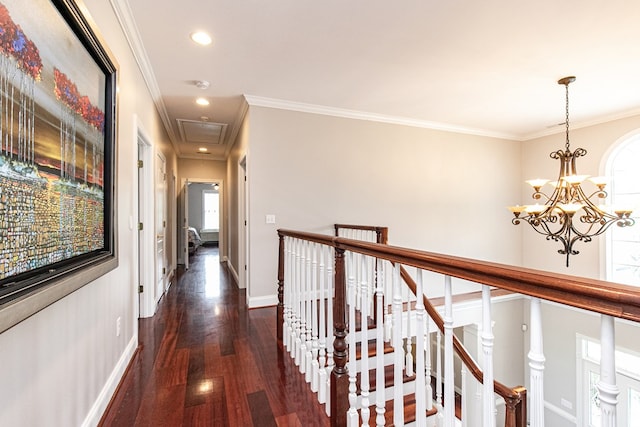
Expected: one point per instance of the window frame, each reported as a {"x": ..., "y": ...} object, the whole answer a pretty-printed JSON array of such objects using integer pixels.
[{"x": 607, "y": 248}]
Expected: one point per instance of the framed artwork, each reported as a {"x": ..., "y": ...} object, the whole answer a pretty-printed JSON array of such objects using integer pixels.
[{"x": 57, "y": 146}]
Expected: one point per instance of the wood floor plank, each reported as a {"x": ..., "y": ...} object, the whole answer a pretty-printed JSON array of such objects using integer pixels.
[
  {"x": 288, "y": 420},
  {"x": 260, "y": 410}
]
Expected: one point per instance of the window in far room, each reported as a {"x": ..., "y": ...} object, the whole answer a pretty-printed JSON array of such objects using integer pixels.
[
  {"x": 627, "y": 381},
  {"x": 623, "y": 243},
  {"x": 210, "y": 210}
]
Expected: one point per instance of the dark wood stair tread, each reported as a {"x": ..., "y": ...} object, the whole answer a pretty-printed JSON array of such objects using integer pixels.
[
  {"x": 372, "y": 349},
  {"x": 388, "y": 378},
  {"x": 409, "y": 405}
]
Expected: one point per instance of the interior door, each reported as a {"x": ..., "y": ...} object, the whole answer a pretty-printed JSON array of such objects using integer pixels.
[
  {"x": 160, "y": 226},
  {"x": 141, "y": 212}
]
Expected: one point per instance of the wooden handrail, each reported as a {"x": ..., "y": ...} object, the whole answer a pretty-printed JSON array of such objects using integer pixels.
[{"x": 594, "y": 295}]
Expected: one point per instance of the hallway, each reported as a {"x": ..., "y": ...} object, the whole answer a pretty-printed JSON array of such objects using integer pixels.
[{"x": 204, "y": 359}]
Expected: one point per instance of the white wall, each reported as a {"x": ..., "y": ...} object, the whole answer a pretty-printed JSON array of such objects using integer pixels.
[
  {"x": 60, "y": 366},
  {"x": 436, "y": 191}
]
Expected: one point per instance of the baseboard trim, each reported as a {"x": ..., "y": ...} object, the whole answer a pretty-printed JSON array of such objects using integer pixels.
[
  {"x": 265, "y": 301},
  {"x": 233, "y": 271},
  {"x": 102, "y": 402},
  {"x": 561, "y": 412}
]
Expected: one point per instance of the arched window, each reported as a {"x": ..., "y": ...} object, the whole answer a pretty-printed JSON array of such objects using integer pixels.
[{"x": 623, "y": 243}]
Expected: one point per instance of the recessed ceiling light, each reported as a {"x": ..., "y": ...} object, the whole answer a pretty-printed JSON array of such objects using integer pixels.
[
  {"x": 201, "y": 38},
  {"x": 202, "y": 101},
  {"x": 202, "y": 149}
]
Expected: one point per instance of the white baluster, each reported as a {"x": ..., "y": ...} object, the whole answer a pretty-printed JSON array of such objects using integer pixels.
[
  {"x": 388, "y": 304},
  {"x": 439, "y": 368},
  {"x": 303, "y": 308},
  {"x": 408, "y": 362},
  {"x": 286, "y": 328},
  {"x": 464, "y": 411},
  {"x": 308, "y": 313},
  {"x": 315, "y": 302},
  {"x": 298, "y": 306},
  {"x": 380, "y": 383},
  {"x": 427, "y": 365},
  {"x": 364, "y": 346},
  {"x": 421, "y": 398},
  {"x": 398, "y": 398},
  {"x": 321, "y": 376},
  {"x": 488, "y": 398},
  {"x": 330, "y": 295},
  {"x": 607, "y": 385},
  {"x": 352, "y": 413},
  {"x": 536, "y": 366},
  {"x": 449, "y": 379}
]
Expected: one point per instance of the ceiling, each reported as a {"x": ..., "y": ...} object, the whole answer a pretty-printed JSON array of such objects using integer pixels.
[{"x": 487, "y": 68}]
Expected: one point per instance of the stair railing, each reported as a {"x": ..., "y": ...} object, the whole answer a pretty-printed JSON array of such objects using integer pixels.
[
  {"x": 298, "y": 249},
  {"x": 514, "y": 398}
]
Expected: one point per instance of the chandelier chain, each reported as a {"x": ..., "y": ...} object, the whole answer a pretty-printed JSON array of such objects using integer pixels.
[{"x": 566, "y": 121}]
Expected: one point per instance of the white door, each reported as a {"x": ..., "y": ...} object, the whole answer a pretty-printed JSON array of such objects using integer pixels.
[{"x": 160, "y": 226}]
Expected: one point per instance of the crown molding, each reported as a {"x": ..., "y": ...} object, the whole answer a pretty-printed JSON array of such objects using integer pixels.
[
  {"x": 259, "y": 101},
  {"x": 578, "y": 125},
  {"x": 131, "y": 33}
]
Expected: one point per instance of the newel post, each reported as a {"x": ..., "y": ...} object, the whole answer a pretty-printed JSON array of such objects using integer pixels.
[
  {"x": 280, "y": 307},
  {"x": 516, "y": 409},
  {"x": 339, "y": 375}
]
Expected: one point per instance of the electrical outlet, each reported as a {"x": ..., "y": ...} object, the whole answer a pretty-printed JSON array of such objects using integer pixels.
[{"x": 118, "y": 325}]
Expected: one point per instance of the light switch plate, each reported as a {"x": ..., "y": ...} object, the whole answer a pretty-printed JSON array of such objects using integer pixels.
[{"x": 270, "y": 219}]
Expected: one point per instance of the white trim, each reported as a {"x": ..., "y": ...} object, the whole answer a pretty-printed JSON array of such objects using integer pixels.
[
  {"x": 606, "y": 163},
  {"x": 259, "y": 101},
  {"x": 265, "y": 301},
  {"x": 233, "y": 271},
  {"x": 103, "y": 399},
  {"x": 561, "y": 412},
  {"x": 578, "y": 125},
  {"x": 127, "y": 23},
  {"x": 146, "y": 248}
]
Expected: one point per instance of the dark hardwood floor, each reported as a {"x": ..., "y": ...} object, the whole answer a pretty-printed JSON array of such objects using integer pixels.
[{"x": 204, "y": 359}]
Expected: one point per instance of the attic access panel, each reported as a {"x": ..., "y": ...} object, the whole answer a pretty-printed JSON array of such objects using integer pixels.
[{"x": 200, "y": 132}]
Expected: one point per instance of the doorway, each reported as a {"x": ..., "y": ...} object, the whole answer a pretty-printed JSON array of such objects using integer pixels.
[
  {"x": 243, "y": 225},
  {"x": 201, "y": 217}
]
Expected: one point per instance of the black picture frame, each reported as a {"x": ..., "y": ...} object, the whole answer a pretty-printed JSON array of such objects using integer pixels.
[{"x": 57, "y": 154}]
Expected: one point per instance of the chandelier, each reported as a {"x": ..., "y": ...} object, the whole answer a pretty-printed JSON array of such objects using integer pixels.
[{"x": 569, "y": 214}]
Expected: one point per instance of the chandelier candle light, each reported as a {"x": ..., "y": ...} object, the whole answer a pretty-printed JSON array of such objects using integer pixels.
[{"x": 569, "y": 214}]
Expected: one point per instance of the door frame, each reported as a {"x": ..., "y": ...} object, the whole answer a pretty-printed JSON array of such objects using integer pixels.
[
  {"x": 146, "y": 236},
  {"x": 184, "y": 212},
  {"x": 243, "y": 223},
  {"x": 160, "y": 223}
]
